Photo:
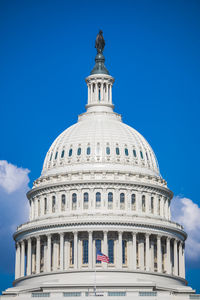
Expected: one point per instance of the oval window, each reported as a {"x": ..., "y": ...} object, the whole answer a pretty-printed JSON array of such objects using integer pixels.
[
  {"x": 126, "y": 151},
  {"x": 70, "y": 152},
  {"x": 88, "y": 150},
  {"x": 79, "y": 151},
  {"x": 117, "y": 151},
  {"x": 63, "y": 153},
  {"x": 108, "y": 150}
]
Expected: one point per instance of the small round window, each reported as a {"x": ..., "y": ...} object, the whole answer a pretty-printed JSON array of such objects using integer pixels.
[
  {"x": 79, "y": 151},
  {"x": 88, "y": 150},
  {"x": 70, "y": 152},
  {"x": 108, "y": 150},
  {"x": 63, "y": 153},
  {"x": 126, "y": 151},
  {"x": 117, "y": 151}
]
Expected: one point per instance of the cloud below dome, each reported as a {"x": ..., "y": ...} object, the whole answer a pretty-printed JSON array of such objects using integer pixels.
[
  {"x": 14, "y": 208},
  {"x": 187, "y": 213}
]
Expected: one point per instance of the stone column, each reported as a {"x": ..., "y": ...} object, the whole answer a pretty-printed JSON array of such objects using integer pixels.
[
  {"x": 49, "y": 253},
  {"x": 105, "y": 247},
  {"x": 38, "y": 255},
  {"x": 183, "y": 260},
  {"x": 17, "y": 261},
  {"x": 156, "y": 205},
  {"x": 90, "y": 250},
  {"x": 147, "y": 256},
  {"x": 61, "y": 250},
  {"x": 159, "y": 254},
  {"x": 120, "y": 249},
  {"x": 75, "y": 250},
  {"x": 175, "y": 258},
  {"x": 141, "y": 253},
  {"x": 134, "y": 251},
  {"x": 96, "y": 92},
  {"x": 22, "y": 258},
  {"x": 180, "y": 259},
  {"x": 152, "y": 255},
  {"x": 168, "y": 264},
  {"x": 110, "y": 93},
  {"x": 29, "y": 255}
]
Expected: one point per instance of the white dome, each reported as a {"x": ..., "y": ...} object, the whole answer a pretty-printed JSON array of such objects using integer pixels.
[{"x": 100, "y": 140}]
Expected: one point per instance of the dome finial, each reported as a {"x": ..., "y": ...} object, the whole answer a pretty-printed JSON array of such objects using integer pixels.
[
  {"x": 100, "y": 42},
  {"x": 99, "y": 67}
]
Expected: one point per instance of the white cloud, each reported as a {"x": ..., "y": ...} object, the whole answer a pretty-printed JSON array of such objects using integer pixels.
[
  {"x": 187, "y": 213},
  {"x": 12, "y": 178},
  {"x": 13, "y": 208}
]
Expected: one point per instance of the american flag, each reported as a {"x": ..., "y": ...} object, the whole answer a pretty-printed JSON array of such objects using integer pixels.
[{"x": 102, "y": 257}]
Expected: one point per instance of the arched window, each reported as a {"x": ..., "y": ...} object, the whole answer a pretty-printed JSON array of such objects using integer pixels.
[
  {"x": 98, "y": 248},
  {"x": 117, "y": 151},
  {"x": 74, "y": 201},
  {"x": 110, "y": 200},
  {"x": 122, "y": 201},
  {"x": 111, "y": 251},
  {"x": 152, "y": 205},
  {"x": 63, "y": 153},
  {"x": 143, "y": 203},
  {"x": 98, "y": 200},
  {"x": 108, "y": 150},
  {"x": 85, "y": 200},
  {"x": 159, "y": 206},
  {"x": 63, "y": 202},
  {"x": 85, "y": 251},
  {"x": 45, "y": 206},
  {"x": 38, "y": 207},
  {"x": 88, "y": 150},
  {"x": 53, "y": 204},
  {"x": 56, "y": 155},
  {"x": 79, "y": 151},
  {"x": 71, "y": 254},
  {"x": 124, "y": 252},
  {"x": 134, "y": 153},
  {"x": 133, "y": 202},
  {"x": 141, "y": 154},
  {"x": 70, "y": 152},
  {"x": 126, "y": 151}
]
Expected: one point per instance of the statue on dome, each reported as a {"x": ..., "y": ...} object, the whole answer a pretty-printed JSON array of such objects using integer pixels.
[{"x": 100, "y": 43}]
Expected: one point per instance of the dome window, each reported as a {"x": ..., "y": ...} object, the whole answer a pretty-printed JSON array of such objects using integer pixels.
[
  {"x": 108, "y": 150},
  {"x": 147, "y": 156},
  {"x": 122, "y": 200},
  {"x": 70, "y": 152},
  {"x": 134, "y": 153},
  {"x": 56, "y": 155},
  {"x": 74, "y": 201},
  {"x": 53, "y": 204},
  {"x": 141, "y": 155},
  {"x": 51, "y": 157},
  {"x": 63, "y": 153},
  {"x": 63, "y": 202},
  {"x": 124, "y": 252},
  {"x": 79, "y": 151},
  {"x": 143, "y": 203},
  {"x": 111, "y": 251},
  {"x": 133, "y": 202},
  {"x": 126, "y": 151},
  {"x": 117, "y": 151},
  {"x": 85, "y": 200},
  {"x": 88, "y": 150},
  {"x": 98, "y": 200},
  {"x": 152, "y": 205},
  {"x": 45, "y": 206},
  {"x": 110, "y": 200}
]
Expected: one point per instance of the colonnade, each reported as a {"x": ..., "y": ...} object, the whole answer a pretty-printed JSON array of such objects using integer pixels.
[
  {"x": 99, "y": 91},
  {"x": 134, "y": 201},
  {"x": 129, "y": 250}
]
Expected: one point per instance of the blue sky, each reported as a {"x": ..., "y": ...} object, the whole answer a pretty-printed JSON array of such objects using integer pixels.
[{"x": 47, "y": 50}]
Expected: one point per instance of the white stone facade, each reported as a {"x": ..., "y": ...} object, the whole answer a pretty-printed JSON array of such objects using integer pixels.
[{"x": 100, "y": 187}]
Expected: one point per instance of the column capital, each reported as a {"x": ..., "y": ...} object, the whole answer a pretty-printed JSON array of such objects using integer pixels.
[
  {"x": 62, "y": 234},
  {"x": 147, "y": 234},
  {"x": 38, "y": 238}
]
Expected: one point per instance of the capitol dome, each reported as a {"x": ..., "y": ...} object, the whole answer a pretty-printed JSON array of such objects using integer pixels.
[
  {"x": 100, "y": 221},
  {"x": 100, "y": 140}
]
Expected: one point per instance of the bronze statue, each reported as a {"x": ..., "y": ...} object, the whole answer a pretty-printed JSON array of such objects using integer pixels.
[{"x": 100, "y": 43}]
